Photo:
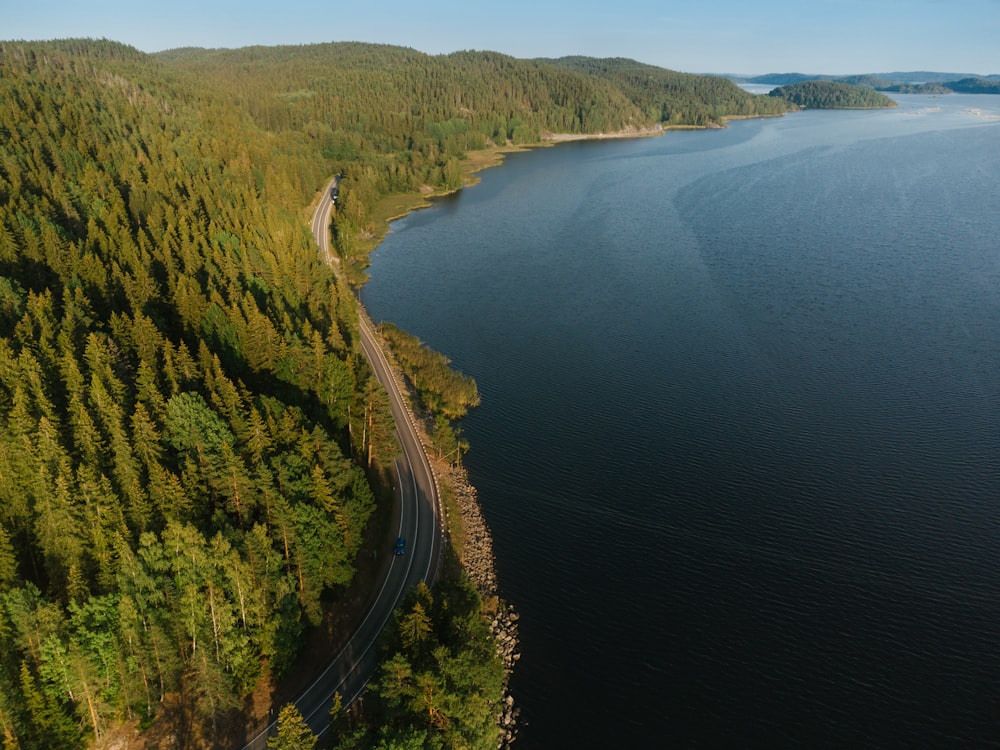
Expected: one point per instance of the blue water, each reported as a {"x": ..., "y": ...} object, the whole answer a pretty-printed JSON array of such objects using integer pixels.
[{"x": 739, "y": 442}]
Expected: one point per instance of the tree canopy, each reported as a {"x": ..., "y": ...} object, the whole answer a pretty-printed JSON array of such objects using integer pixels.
[
  {"x": 441, "y": 681},
  {"x": 178, "y": 373},
  {"x": 675, "y": 98}
]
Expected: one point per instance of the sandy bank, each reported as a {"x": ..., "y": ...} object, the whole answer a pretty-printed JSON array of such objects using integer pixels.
[{"x": 636, "y": 133}]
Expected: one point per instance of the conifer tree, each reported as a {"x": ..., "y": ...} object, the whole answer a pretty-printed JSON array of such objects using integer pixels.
[{"x": 293, "y": 732}]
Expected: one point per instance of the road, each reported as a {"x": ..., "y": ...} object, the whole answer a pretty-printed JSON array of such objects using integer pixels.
[{"x": 419, "y": 522}]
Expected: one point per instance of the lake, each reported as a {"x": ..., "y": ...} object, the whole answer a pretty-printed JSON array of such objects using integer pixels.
[{"x": 739, "y": 441}]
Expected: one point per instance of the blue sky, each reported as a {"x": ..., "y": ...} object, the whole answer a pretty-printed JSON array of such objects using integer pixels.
[{"x": 718, "y": 36}]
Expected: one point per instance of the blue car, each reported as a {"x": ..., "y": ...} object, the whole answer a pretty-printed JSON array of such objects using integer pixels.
[{"x": 400, "y": 545}]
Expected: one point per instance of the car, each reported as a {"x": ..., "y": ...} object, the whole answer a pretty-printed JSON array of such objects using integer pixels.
[{"x": 400, "y": 545}]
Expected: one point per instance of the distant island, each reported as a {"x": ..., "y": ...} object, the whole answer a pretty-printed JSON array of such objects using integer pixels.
[
  {"x": 830, "y": 95},
  {"x": 918, "y": 82}
]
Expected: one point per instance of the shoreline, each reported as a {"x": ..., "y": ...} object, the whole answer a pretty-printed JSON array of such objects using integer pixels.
[
  {"x": 475, "y": 550},
  {"x": 651, "y": 132},
  {"x": 477, "y": 161}
]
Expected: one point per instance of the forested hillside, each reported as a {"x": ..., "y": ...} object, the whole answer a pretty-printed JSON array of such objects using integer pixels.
[
  {"x": 675, "y": 98},
  {"x": 402, "y": 100},
  {"x": 190, "y": 436},
  {"x": 395, "y": 120},
  {"x": 177, "y": 371}
]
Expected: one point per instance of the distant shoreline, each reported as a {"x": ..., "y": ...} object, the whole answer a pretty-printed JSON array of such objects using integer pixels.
[
  {"x": 636, "y": 133},
  {"x": 656, "y": 130}
]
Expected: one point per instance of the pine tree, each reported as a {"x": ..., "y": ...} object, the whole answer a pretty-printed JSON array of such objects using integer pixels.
[{"x": 293, "y": 732}]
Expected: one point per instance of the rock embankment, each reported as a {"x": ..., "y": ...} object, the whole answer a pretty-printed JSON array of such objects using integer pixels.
[
  {"x": 476, "y": 553},
  {"x": 504, "y": 629},
  {"x": 479, "y": 562}
]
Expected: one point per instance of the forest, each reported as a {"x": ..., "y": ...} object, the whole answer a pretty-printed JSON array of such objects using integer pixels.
[
  {"x": 179, "y": 382},
  {"x": 831, "y": 95},
  {"x": 193, "y": 447},
  {"x": 676, "y": 99}
]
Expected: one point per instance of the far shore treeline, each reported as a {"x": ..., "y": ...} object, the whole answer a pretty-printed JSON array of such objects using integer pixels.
[
  {"x": 831, "y": 95},
  {"x": 915, "y": 82},
  {"x": 194, "y": 454}
]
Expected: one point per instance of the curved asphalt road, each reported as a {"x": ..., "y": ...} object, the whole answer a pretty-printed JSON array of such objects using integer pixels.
[{"x": 419, "y": 522}]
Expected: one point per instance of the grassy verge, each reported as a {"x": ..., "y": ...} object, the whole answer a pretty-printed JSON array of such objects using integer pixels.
[
  {"x": 453, "y": 519},
  {"x": 398, "y": 205}
]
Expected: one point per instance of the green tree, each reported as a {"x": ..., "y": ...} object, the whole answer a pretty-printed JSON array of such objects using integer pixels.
[
  {"x": 48, "y": 723},
  {"x": 8, "y": 562},
  {"x": 193, "y": 426},
  {"x": 415, "y": 630},
  {"x": 293, "y": 732}
]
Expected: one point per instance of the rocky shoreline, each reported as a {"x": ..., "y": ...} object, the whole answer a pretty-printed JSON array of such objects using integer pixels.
[
  {"x": 480, "y": 564},
  {"x": 476, "y": 553}
]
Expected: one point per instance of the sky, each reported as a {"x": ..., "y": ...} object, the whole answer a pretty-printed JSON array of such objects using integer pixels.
[{"x": 836, "y": 37}]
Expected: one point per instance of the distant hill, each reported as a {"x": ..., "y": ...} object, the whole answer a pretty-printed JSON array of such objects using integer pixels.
[
  {"x": 831, "y": 95},
  {"x": 867, "y": 80},
  {"x": 783, "y": 79},
  {"x": 915, "y": 88},
  {"x": 920, "y": 76},
  {"x": 924, "y": 76},
  {"x": 914, "y": 82},
  {"x": 975, "y": 85}
]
